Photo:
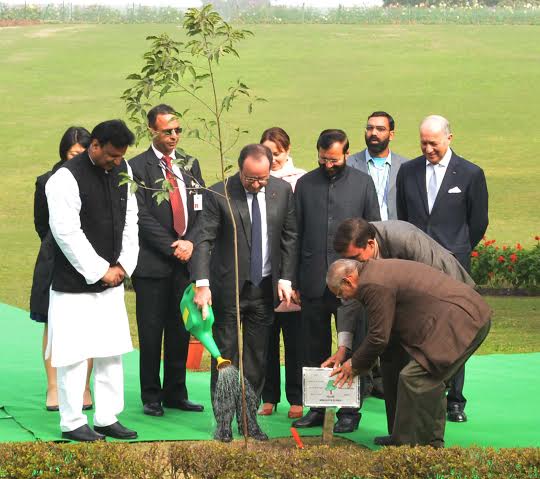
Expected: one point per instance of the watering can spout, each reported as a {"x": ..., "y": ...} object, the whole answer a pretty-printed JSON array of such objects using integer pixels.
[
  {"x": 199, "y": 327},
  {"x": 222, "y": 363}
]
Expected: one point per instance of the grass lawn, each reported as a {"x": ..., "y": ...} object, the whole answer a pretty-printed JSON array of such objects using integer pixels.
[{"x": 314, "y": 77}]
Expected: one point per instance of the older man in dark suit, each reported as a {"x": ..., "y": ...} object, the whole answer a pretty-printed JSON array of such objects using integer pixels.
[
  {"x": 263, "y": 209},
  {"x": 446, "y": 197},
  {"x": 324, "y": 198},
  {"x": 439, "y": 321},
  {"x": 161, "y": 276}
]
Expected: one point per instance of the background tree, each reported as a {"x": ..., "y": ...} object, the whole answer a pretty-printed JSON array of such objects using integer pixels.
[{"x": 190, "y": 68}]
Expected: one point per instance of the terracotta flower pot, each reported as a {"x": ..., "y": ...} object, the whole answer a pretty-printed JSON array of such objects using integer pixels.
[{"x": 195, "y": 352}]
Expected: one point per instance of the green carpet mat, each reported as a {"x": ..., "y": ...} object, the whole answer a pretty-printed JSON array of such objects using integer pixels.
[{"x": 502, "y": 391}]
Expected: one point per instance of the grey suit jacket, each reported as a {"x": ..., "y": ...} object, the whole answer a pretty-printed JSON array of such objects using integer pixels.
[
  {"x": 402, "y": 240},
  {"x": 358, "y": 161}
]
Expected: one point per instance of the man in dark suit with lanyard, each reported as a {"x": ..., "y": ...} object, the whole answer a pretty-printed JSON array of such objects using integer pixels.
[
  {"x": 446, "y": 197},
  {"x": 161, "y": 276}
]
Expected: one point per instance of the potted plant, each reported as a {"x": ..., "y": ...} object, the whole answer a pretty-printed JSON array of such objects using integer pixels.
[{"x": 195, "y": 353}]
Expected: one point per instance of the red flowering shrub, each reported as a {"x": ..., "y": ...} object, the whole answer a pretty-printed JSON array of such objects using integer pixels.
[{"x": 510, "y": 266}]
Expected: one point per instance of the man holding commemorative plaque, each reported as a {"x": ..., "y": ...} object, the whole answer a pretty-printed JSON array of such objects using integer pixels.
[{"x": 439, "y": 321}]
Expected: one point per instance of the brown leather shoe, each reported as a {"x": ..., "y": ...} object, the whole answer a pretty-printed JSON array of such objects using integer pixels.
[
  {"x": 267, "y": 409},
  {"x": 295, "y": 412}
]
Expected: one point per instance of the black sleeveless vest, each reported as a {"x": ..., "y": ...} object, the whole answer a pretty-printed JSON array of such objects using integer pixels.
[{"x": 103, "y": 215}]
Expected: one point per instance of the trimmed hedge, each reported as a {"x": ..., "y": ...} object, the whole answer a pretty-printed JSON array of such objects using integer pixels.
[{"x": 212, "y": 460}]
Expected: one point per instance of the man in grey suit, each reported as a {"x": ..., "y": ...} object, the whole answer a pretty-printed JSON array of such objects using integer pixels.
[
  {"x": 357, "y": 239},
  {"x": 379, "y": 162}
]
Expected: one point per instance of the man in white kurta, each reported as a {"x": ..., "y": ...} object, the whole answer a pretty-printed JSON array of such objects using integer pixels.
[{"x": 90, "y": 324}]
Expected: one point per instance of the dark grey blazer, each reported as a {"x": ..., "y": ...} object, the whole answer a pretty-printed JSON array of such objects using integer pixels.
[
  {"x": 213, "y": 255},
  {"x": 402, "y": 240},
  {"x": 43, "y": 270},
  {"x": 358, "y": 161},
  {"x": 459, "y": 217}
]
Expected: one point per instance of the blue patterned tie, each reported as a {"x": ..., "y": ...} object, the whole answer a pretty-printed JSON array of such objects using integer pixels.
[
  {"x": 256, "y": 265},
  {"x": 432, "y": 188}
]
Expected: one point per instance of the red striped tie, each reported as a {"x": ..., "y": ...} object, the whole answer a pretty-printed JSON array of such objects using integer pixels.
[{"x": 179, "y": 219}]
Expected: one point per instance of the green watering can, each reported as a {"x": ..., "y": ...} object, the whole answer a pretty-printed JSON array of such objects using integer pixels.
[{"x": 201, "y": 329}]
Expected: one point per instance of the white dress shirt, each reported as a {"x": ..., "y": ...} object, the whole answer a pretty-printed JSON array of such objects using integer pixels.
[
  {"x": 179, "y": 180},
  {"x": 261, "y": 199}
]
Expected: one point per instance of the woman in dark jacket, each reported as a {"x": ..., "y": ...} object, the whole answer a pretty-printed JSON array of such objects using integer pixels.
[{"x": 74, "y": 141}]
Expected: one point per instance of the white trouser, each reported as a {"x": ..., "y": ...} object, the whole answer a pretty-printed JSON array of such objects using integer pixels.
[{"x": 108, "y": 392}]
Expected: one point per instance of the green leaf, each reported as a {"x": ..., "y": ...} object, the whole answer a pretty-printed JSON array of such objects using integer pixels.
[
  {"x": 124, "y": 179},
  {"x": 226, "y": 103},
  {"x": 194, "y": 133},
  {"x": 161, "y": 196}
]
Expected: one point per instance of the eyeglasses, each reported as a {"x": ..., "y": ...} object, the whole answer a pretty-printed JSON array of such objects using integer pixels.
[
  {"x": 380, "y": 129},
  {"x": 253, "y": 179},
  {"x": 330, "y": 161},
  {"x": 169, "y": 131}
]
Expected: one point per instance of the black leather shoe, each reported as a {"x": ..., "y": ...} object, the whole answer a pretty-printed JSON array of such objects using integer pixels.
[
  {"x": 347, "y": 423},
  {"x": 184, "y": 405},
  {"x": 456, "y": 414},
  {"x": 383, "y": 441},
  {"x": 153, "y": 409},
  {"x": 311, "y": 419},
  {"x": 117, "y": 431},
  {"x": 83, "y": 434}
]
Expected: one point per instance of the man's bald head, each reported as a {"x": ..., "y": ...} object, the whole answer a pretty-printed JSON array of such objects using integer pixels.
[
  {"x": 436, "y": 123},
  {"x": 342, "y": 277}
]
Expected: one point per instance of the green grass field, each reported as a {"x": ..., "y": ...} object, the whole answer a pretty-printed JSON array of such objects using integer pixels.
[{"x": 483, "y": 78}]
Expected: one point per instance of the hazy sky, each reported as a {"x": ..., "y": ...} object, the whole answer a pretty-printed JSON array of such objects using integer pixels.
[{"x": 196, "y": 3}]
